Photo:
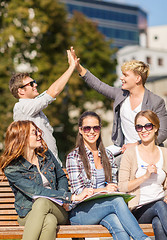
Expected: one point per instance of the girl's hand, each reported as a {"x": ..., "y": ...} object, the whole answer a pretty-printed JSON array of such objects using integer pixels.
[
  {"x": 85, "y": 193},
  {"x": 151, "y": 169},
  {"x": 165, "y": 199},
  {"x": 111, "y": 187},
  {"x": 66, "y": 206}
]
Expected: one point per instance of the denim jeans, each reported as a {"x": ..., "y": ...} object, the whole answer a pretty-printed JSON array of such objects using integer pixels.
[
  {"x": 112, "y": 213},
  {"x": 155, "y": 213},
  {"x": 41, "y": 222}
]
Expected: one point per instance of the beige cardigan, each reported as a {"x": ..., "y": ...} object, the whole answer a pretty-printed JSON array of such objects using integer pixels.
[{"x": 127, "y": 171}]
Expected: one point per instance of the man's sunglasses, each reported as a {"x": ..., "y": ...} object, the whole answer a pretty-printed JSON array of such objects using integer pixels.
[
  {"x": 29, "y": 84},
  {"x": 87, "y": 129},
  {"x": 147, "y": 126}
]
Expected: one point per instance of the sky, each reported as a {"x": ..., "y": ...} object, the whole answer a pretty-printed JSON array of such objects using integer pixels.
[{"x": 156, "y": 10}]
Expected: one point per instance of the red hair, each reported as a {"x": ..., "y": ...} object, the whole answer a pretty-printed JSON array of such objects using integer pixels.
[{"x": 16, "y": 141}]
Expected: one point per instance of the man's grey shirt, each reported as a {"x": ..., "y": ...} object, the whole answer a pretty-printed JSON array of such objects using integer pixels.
[
  {"x": 31, "y": 109},
  {"x": 150, "y": 101}
]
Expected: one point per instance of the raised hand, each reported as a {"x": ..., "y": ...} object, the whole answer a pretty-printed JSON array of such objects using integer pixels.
[
  {"x": 81, "y": 70},
  {"x": 71, "y": 60}
]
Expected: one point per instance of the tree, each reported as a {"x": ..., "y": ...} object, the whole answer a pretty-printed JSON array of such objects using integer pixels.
[
  {"x": 34, "y": 37},
  {"x": 96, "y": 55}
]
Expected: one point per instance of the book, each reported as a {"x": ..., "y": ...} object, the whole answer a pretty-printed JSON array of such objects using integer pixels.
[
  {"x": 103, "y": 194},
  {"x": 126, "y": 196},
  {"x": 155, "y": 200},
  {"x": 55, "y": 200},
  {"x": 115, "y": 150}
]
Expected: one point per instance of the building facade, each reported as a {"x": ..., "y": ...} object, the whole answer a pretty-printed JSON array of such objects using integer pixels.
[
  {"x": 125, "y": 24},
  {"x": 157, "y": 37},
  {"x": 157, "y": 59}
]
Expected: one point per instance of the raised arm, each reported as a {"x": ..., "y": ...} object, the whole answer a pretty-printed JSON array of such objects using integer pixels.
[
  {"x": 94, "y": 82},
  {"x": 81, "y": 70},
  {"x": 56, "y": 88}
]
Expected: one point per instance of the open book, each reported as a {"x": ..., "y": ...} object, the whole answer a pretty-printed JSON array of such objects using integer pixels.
[
  {"x": 127, "y": 197},
  {"x": 155, "y": 200}
]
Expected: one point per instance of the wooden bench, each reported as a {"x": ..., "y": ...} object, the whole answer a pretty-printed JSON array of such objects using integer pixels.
[{"x": 10, "y": 229}]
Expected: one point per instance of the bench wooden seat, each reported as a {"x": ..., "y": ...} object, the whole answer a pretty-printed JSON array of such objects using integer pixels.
[
  {"x": 68, "y": 231},
  {"x": 10, "y": 229}
]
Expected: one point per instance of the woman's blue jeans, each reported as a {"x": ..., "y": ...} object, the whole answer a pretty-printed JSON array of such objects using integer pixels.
[
  {"x": 155, "y": 213},
  {"x": 112, "y": 213}
]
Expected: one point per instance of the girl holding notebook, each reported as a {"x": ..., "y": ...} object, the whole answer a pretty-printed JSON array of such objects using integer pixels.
[{"x": 91, "y": 167}]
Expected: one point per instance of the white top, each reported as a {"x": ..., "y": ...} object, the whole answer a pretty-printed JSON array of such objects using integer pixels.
[
  {"x": 152, "y": 188},
  {"x": 45, "y": 181},
  {"x": 31, "y": 109},
  {"x": 127, "y": 116}
]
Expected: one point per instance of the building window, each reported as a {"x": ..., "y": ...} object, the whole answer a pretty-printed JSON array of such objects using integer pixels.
[
  {"x": 148, "y": 60},
  {"x": 160, "y": 62}
]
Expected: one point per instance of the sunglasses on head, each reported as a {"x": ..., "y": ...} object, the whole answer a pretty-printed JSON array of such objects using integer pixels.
[
  {"x": 29, "y": 84},
  {"x": 87, "y": 129},
  {"x": 147, "y": 126}
]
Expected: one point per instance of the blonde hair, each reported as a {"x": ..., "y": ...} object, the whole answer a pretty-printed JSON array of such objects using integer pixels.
[
  {"x": 16, "y": 141},
  {"x": 138, "y": 67}
]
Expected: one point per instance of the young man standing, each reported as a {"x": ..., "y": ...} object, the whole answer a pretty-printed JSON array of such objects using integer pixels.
[
  {"x": 31, "y": 104},
  {"x": 131, "y": 98}
]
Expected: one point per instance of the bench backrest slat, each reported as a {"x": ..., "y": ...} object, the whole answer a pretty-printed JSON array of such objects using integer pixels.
[{"x": 8, "y": 215}]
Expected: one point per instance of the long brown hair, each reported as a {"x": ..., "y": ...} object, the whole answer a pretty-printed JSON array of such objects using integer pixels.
[
  {"x": 16, "y": 141},
  {"x": 80, "y": 144}
]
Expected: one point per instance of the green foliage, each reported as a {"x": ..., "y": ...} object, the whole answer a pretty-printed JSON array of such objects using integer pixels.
[
  {"x": 96, "y": 55},
  {"x": 37, "y": 34}
]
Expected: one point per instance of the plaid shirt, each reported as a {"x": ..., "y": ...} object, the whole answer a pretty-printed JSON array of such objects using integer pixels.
[{"x": 77, "y": 174}]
